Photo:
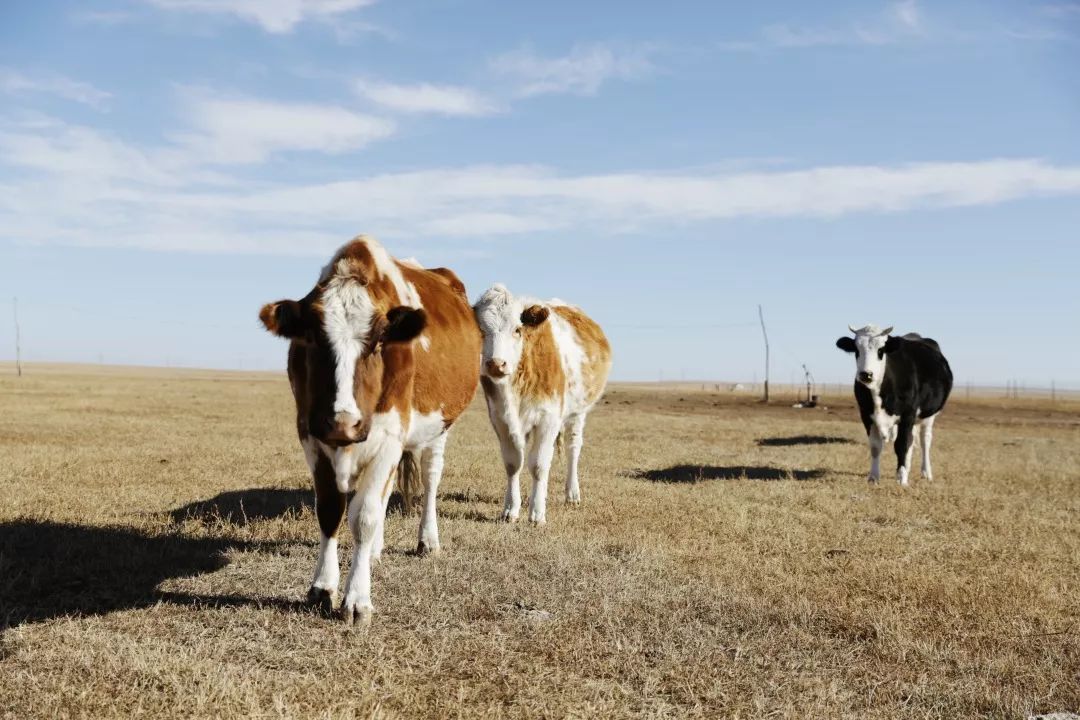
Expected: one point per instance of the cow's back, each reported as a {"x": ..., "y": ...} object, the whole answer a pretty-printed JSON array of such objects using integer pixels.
[
  {"x": 918, "y": 376},
  {"x": 447, "y": 354},
  {"x": 595, "y": 350}
]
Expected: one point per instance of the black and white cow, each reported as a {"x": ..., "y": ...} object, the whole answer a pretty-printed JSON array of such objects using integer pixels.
[{"x": 900, "y": 383}]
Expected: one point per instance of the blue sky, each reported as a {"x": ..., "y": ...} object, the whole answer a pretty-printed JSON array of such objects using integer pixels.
[{"x": 166, "y": 166}]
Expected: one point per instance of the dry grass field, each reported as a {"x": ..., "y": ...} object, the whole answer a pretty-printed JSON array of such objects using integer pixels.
[{"x": 157, "y": 539}]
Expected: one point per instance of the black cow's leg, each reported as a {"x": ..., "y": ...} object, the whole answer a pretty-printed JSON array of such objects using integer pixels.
[{"x": 904, "y": 437}]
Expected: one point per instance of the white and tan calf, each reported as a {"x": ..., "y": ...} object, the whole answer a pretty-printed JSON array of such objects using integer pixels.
[{"x": 544, "y": 366}]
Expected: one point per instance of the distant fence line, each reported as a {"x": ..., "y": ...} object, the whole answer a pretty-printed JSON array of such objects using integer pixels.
[{"x": 825, "y": 391}]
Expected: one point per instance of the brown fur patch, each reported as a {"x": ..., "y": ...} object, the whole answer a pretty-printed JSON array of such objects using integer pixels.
[
  {"x": 540, "y": 374},
  {"x": 597, "y": 364},
  {"x": 446, "y": 374}
]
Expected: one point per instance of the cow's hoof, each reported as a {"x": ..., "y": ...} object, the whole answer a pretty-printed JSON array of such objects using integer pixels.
[
  {"x": 573, "y": 501},
  {"x": 508, "y": 516},
  {"x": 537, "y": 521},
  {"x": 872, "y": 480},
  {"x": 423, "y": 548},
  {"x": 357, "y": 616},
  {"x": 323, "y": 600}
]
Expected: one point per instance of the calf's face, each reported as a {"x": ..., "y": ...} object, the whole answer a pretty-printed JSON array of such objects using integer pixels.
[
  {"x": 870, "y": 346},
  {"x": 337, "y": 328},
  {"x": 504, "y": 323}
]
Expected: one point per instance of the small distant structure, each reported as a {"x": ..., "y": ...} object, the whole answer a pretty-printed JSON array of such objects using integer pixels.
[{"x": 811, "y": 400}]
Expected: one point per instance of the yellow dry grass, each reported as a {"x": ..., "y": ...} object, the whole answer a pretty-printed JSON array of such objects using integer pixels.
[{"x": 157, "y": 538}]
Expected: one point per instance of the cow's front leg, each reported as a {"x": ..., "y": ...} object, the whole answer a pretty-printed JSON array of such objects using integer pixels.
[
  {"x": 329, "y": 508},
  {"x": 512, "y": 447},
  {"x": 431, "y": 462},
  {"x": 366, "y": 519},
  {"x": 540, "y": 454},
  {"x": 903, "y": 449},
  {"x": 877, "y": 442}
]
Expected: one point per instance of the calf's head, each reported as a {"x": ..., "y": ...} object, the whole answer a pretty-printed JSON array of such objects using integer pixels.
[
  {"x": 505, "y": 322},
  {"x": 338, "y": 329},
  {"x": 870, "y": 346}
]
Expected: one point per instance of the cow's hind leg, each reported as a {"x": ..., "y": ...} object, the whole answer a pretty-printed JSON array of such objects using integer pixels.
[
  {"x": 876, "y": 445},
  {"x": 540, "y": 454},
  {"x": 576, "y": 426},
  {"x": 926, "y": 436},
  {"x": 367, "y": 514},
  {"x": 329, "y": 508},
  {"x": 903, "y": 450},
  {"x": 431, "y": 468}
]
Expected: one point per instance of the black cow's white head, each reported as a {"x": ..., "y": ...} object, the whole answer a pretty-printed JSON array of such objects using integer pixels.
[{"x": 870, "y": 346}]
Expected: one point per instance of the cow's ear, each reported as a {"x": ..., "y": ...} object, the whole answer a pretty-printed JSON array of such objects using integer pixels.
[
  {"x": 534, "y": 315},
  {"x": 892, "y": 344},
  {"x": 404, "y": 324},
  {"x": 846, "y": 344},
  {"x": 284, "y": 318}
]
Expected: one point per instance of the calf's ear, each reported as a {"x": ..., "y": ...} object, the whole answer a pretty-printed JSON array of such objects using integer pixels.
[
  {"x": 534, "y": 315},
  {"x": 846, "y": 344},
  {"x": 283, "y": 318},
  {"x": 404, "y": 324},
  {"x": 892, "y": 344}
]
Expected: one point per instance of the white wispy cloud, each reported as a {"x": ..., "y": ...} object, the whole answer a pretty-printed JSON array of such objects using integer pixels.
[
  {"x": 71, "y": 185},
  {"x": 900, "y": 22},
  {"x": 107, "y": 18},
  {"x": 581, "y": 72},
  {"x": 246, "y": 130},
  {"x": 1060, "y": 10},
  {"x": 274, "y": 16},
  {"x": 14, "y": 82},
  {"x": 427, "y": 98}
]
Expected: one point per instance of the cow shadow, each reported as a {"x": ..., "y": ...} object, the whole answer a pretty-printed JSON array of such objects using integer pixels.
[
  {"x": 804, "y": 440},
  {"x": 50, "y": 569},
  {"x": 242, "y": 507},
  {"x": 692, "y": 474}
]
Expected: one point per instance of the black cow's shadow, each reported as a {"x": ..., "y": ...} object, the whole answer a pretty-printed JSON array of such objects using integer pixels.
[
  {"x": 691, "y": 474},
  {"x": 804, "y": 440}
]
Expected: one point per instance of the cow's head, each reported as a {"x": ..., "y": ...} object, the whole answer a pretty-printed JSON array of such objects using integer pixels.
[
  {"x": 870, "y": 346},
  {"x": 505, "y": 321},
  {"x": 339, "y": 328}
]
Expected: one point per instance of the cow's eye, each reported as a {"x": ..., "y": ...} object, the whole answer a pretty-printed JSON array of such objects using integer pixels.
[
  {"x": 517, "y": 332},
  {"x": 881, "y": 354}
]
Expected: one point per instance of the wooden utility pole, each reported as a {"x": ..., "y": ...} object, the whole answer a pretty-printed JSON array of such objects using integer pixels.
[
  {"x": 18, "y": 346},
  {"x": 761, "y": 316}
]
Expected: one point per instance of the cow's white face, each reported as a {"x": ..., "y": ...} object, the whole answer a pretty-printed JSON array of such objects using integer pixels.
[
  {"x": 504, "y": 322},
  {"x": 868, "y": 345}
]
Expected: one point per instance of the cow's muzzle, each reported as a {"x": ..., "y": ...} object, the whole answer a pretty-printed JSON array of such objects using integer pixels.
[
  {"x": 343, "y": 429},
  {"x": 495, "y": 368},
  {"x": 866, "y": 378}
]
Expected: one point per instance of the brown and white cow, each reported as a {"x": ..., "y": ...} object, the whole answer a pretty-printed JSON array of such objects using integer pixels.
[
  {"x": 544, "y": 366},
  {"x": 382, "y": 359}
]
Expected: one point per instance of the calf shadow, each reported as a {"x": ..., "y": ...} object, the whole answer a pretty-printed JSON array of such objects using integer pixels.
[
  {"x": 242, "y": 507},
  {"x": 804, "y": 440},
  {"x": 50, "y": 570},
  {"x": 691, "y": 474}
]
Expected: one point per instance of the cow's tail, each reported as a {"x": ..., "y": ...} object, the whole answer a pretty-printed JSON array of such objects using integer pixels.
[{"x": 409, "y": 483}]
